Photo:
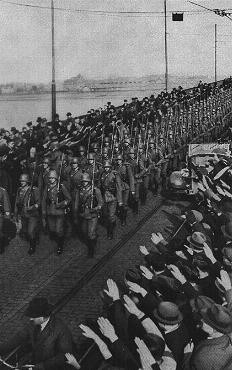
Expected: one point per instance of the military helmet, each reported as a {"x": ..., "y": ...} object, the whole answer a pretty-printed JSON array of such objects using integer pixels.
[
  {"x": 106, "y": 139},
  {"x": 74, "y": 160},
  {"x": 105, "y": 150},
  {"x": 24, "y": 177},
  {"x": 94, "y": 145},
  {"x": 90, "y": 156},
  {"x": 131, "y": 151},
  {"x": 53, "y": 175},
  {"x": 81, "y": 148},
  {"x": 86, "y": 177},
  {"x": 119, "y": 157},
  {"x": 107, "y": 163}
]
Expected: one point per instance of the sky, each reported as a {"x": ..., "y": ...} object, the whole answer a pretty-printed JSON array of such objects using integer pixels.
[{"x": 106, "y": 45}]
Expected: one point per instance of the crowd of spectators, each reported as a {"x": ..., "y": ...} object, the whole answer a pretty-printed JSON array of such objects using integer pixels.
[{"x": 174, "y": 310}]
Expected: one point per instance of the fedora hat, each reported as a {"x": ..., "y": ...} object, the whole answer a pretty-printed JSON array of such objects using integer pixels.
[
  {"x": 39, "y": 307},
  {"x": 168, "y": 313},
  {"x": 218, "y": 318},
  {"x": 133, "y": 275},
  {"x": 193, "y": 216},
  {"x": 197, "y": 239}
]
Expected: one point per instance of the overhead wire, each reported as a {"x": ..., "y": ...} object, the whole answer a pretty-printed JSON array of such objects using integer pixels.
[{"x": 106, "y": 12}]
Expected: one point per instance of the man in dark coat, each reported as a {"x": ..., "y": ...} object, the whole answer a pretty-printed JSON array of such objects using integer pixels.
[{"x": 49, "y": 337}]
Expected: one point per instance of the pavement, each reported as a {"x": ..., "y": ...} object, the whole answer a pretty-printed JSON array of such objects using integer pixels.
[{"x": 72, "y": 281}]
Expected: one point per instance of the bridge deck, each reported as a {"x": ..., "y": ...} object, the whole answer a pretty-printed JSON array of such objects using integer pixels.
[{"x": 71, "y": 281}]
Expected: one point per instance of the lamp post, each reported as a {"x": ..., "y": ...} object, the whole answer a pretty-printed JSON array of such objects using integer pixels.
[
  {"x": 53, "y": 64},
  {"x": 166, "y": 45},
  {"x": 215, "y": 53}
]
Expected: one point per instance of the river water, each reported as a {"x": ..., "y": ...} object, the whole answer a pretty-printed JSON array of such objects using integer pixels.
[{"x": 17, "y": 110}]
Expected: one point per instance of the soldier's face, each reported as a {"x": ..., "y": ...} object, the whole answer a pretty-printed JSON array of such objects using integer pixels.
[
  {"x": 119, "y": 162},
  {"x": 82, "y": 152},
  {"x": 151, "y": 146},
  {"x": 132, "y": 155},
  {"x": 52, "y": 180},
  {"x": 85, "y": 183},
  {"x": 74, "y": 166},
  {"x": 107, "y": 168},
  {"x": 45, "y": 165},
  {"x": 91, "y": 160},
  {"x": 23, "y": 183}
]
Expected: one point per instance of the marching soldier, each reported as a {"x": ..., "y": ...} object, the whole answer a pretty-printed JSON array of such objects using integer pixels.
[
  {"x": 134, "y": 163},
  {"x": 5, "y": 210},
  {"x": 55, "y": 200},
  {"x": 82, "y": 157},
  {"x": 128, "y": 185},
  {"x": 111, "y": 189},
  {"x": 154, "y": 156},
  {"x": 88, "y": 203},
  {"x": 93, "y": 168},
  {"x": 143, "y": 174},
  {"x": 75, "y": 178},
  {"x": 27, "y": 205},
  {"x": 43, "y": 175}
]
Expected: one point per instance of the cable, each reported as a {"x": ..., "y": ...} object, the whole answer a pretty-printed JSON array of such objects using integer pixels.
[{"x": 103, "y": 12}]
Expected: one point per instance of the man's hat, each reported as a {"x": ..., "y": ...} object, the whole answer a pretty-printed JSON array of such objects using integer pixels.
[
  {"x": 197, "y": 240},
  {"x": 39, "y": 119},
  {"x": 193, "y": 216},
  {"x": 218, "y": 318},
  {"x": 133, "y": 275},
  {"x": 168, "y": 313},
  {"x": 39, "y": 307},
  {"x": 68, "y": 114}
]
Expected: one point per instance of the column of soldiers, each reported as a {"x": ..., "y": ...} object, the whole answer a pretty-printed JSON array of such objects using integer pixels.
[
  {"x": 59, "y": 191},
  {"x": 92, "y": 171}
]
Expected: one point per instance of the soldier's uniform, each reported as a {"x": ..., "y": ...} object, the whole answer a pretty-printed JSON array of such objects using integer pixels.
[
  {"x": 82, "y": 159},
  {"x": 111, "y": 189},
  {"x": 54, "y": 204},
  {"x": 75, "y": 178},
  {"x": 88, "y": 203},
  {"x": 93, "y": 168},
  {"x": 143, "y": 174},
  {"x": 125, "y": 173},
  {"x": 5, "y": 210},
  {"x": 137, "y": 171},
  {"x": 43, "y": 176},
  {"x": 154, "y": 156},
  {"x": 27, "y": 205}
]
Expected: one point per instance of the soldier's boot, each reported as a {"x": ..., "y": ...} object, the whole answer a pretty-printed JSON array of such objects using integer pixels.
[
  {"x": 110, "y": 230},
  {"x": 124, "y": 216},
  {"x": 2, "y": 245},
  {"x": 32, "y": 248},
  {"x": 121, "y": 214},
  {"x": 143, "y": 197},
  {"x": 136, "y": 207},
  {"x": 91, "y": 247},
  {"x": 60, "y": 245}
]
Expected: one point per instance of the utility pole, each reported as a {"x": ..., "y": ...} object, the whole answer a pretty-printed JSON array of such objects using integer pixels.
[
  {"x": 215, "y": 53},
  {"x": 53, "y": 65},
  {"x": 166, "y": 45}
]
